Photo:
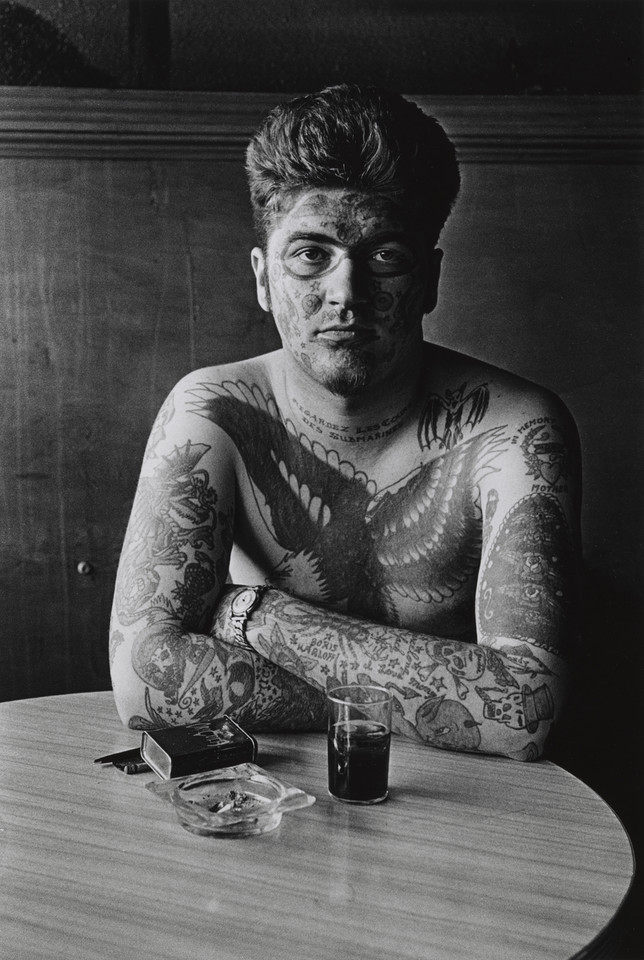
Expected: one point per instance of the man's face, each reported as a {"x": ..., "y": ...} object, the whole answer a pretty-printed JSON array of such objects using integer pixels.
[{"x": 348, "y": 282}]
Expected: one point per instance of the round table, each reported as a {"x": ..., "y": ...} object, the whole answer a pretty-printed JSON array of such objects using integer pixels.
[{"x": 471, "y": 857}]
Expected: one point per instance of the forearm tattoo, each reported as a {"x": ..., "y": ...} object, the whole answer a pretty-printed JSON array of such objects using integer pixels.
[{"x": 446, "y": 693}]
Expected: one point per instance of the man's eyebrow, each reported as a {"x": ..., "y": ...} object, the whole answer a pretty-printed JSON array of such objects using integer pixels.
[
  {"x": 310, "y": 235},
  {"x": 389, "y": 236}
]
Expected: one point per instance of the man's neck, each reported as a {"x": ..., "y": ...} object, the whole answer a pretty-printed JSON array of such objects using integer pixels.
[{"x": 364, "y": 419}]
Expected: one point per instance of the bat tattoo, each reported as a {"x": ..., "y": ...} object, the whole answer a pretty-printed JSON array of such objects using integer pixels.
[{"x": 444, "y": 418}]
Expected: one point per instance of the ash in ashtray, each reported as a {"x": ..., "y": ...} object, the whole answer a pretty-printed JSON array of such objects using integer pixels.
[
  {"x": 235, "y": 800},
  {"x": 241, "y": 800}
]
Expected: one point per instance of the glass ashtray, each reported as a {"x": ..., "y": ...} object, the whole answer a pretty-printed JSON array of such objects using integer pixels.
[{"x": 239, "y": 801}]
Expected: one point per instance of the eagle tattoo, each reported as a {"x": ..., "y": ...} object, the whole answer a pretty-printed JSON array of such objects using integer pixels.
[{"x": 359, "y": 545}]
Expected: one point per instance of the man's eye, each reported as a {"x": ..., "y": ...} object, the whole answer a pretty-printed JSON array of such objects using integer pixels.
[
  {"x": 307, "y": 261},
  {"x": 311, "y": 255},
  {"x": 391, "y": 260}
]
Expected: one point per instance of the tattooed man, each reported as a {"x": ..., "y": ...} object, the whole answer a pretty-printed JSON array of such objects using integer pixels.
[{"x": 361, "y": 505}]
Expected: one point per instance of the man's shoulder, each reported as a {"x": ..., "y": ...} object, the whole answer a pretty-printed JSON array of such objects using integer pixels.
[
  {"x": 237, "y": 398},
  {"x": 254, "y": 372},
  {"x": 446, "y": 365},
  {"x": 458, "y": 378}
]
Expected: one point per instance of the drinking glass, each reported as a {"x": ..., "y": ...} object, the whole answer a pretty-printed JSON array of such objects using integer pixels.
[{"x": 358, "y": 742}]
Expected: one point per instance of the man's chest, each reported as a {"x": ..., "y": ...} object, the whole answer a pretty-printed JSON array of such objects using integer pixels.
[{"x": 404, "y": 550}]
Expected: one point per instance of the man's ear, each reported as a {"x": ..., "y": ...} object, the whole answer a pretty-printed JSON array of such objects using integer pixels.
[
  {"x": 433, "y": 276},
  {"x": 258, "y": 262}
]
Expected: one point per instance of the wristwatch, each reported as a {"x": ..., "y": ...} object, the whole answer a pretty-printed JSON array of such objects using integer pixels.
[{"x": 243, "y": 604}]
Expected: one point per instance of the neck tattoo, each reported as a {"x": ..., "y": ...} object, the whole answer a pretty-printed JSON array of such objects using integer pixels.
[{"x": 349, "y": 432}]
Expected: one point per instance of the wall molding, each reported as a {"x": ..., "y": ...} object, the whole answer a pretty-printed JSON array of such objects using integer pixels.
[{"x": 130, "y": 124}]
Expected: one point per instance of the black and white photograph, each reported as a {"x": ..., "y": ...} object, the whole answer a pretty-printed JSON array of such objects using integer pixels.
[{"x": 322, "y": 525}]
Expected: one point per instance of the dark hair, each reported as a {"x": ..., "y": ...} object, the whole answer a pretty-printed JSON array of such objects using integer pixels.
[{"x": 364, "y": 138}]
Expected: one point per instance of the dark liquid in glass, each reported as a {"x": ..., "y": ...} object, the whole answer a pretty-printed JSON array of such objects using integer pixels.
[{"x": 359, "y": 761}]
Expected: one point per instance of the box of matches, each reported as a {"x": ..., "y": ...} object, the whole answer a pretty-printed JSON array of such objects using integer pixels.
[{"x": 197, "y": 747}]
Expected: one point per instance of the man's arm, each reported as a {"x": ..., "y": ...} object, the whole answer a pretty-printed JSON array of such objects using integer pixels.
[
  {"x": 172, "y": 660},
  {"x": 503, "y": 694},
  {"x": 446, "y": 693},
  {"x": 166, "y": 665}
]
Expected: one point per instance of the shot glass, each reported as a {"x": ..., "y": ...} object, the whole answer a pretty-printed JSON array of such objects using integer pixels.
[{"x": 358, "y": 743}]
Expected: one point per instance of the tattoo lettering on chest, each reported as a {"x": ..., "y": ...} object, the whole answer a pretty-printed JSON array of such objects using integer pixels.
[
  {"x": 340, "y": 432},
  {"x": 353, "y": 545},
  {"x": 523, "y": 589}
]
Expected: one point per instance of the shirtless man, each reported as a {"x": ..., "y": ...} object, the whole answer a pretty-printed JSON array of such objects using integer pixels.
[{"x": 360, "y": 506}]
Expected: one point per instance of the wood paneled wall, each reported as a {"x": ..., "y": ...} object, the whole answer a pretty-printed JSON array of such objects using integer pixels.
[{"x": 124, "y": 262}]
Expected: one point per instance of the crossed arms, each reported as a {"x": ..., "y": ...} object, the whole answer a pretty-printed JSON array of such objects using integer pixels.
[{"x": 171, "y": 649}]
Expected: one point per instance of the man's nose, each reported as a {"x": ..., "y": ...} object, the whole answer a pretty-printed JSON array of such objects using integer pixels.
[{"x": 347, "y": 285}]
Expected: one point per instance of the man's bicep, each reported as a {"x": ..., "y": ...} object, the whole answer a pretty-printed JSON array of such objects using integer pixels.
[
  {"x": 528, "y": 584},
  {"x": 177, "y": 546}
]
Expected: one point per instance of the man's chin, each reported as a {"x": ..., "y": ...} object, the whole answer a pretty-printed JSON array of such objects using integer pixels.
[{"x": 348, "y": 373}]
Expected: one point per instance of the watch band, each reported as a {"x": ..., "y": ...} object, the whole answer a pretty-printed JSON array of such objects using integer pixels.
[{"x": 241, "y": 607}]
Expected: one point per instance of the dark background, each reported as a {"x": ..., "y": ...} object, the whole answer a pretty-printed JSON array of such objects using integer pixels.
[
  {"x": 420, "y": 46},
  {"x": 118, "y": 274}
]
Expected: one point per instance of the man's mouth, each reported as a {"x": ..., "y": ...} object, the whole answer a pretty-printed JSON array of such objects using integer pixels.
[{"x": 347, "y": 335}]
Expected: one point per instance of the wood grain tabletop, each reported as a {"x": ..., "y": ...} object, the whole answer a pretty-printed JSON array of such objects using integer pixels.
[{"x": 470, "y": 857}]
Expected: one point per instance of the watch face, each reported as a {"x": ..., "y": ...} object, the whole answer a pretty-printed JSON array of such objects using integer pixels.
[{"x": 242, "y": 602}]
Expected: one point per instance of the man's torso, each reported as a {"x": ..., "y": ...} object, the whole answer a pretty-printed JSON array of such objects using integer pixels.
[{"x": 382, "y": 520}]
